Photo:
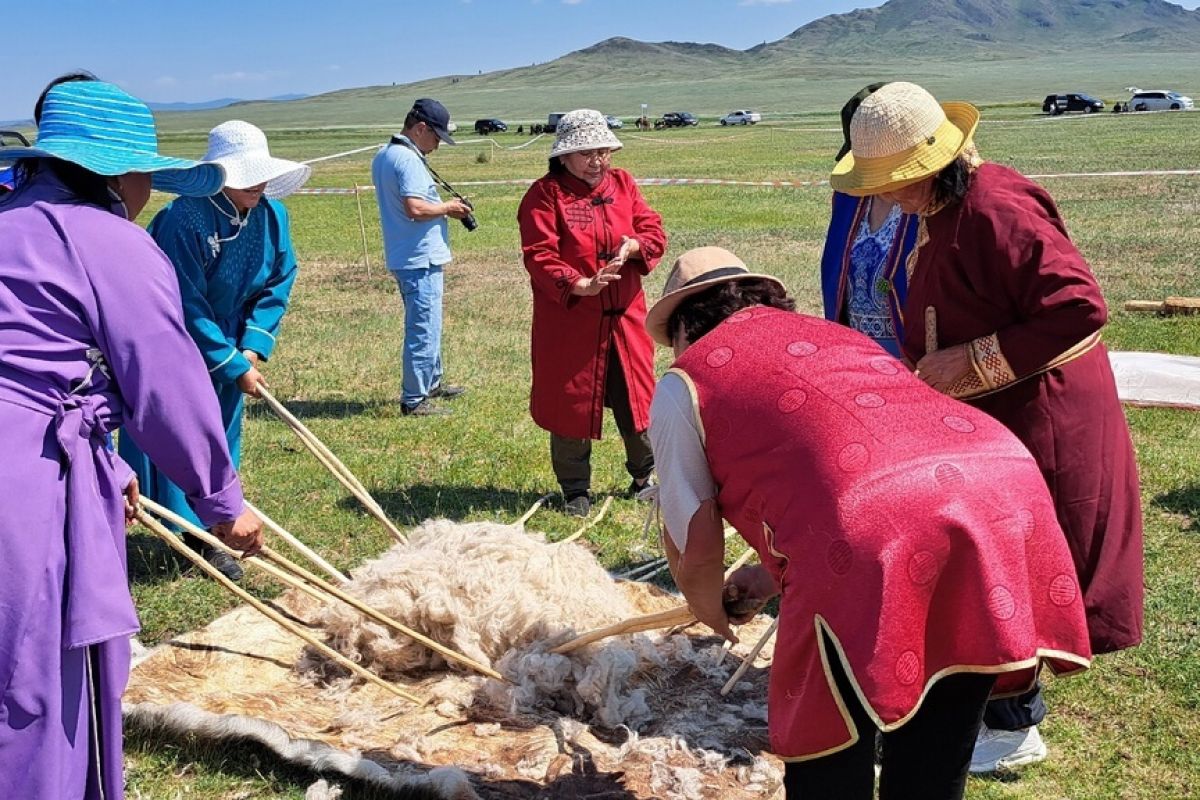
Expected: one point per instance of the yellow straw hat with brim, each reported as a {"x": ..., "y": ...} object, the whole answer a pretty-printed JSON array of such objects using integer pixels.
[
  {"x": 901, "y": 135},
  {"x": 695, "y": 271}
]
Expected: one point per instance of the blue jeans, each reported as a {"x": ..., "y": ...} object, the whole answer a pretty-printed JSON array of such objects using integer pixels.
[{"x": 422, "y": 293}]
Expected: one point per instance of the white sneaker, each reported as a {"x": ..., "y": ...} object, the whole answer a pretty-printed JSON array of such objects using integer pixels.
[{"x": 1001, "y": 751}]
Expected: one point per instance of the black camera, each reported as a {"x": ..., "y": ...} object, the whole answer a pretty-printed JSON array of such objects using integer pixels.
[{"x": 469, "y": 222}]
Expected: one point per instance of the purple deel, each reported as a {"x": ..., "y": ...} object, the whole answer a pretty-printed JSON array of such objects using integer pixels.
[{"x": 92, "y": 338}]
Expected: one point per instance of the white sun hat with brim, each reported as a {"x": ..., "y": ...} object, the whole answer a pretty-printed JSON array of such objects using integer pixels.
[
  {"x": 901, "y": 135},
  {"x": 109, "y": 132},
  {"x": 241, "y": 148},
  {"x": 583, "y": 129}
]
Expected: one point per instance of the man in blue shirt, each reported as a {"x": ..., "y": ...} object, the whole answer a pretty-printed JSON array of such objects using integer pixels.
[{"x": 417, "y": 245}]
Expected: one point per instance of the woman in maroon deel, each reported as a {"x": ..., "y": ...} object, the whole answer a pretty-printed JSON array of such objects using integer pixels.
[
  {"x": 588, "y": 237},
  {"x": 911, "y": 536},
  {"x": 1004, "y": 313}
]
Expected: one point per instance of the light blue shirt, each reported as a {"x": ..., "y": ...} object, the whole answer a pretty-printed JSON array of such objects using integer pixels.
[{"x": 399, "y": 171}]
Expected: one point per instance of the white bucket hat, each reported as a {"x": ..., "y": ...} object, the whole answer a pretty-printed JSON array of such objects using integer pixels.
[
  {"x": 583, "y": 129},
  {"x": 241, "y": 148}
]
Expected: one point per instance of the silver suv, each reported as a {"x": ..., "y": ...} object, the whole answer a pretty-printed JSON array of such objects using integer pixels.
[{"x": 1159, "y": 100}]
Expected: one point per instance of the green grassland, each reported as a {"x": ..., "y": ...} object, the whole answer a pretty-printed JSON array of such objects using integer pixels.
[{"x": 1127, "y": 729}]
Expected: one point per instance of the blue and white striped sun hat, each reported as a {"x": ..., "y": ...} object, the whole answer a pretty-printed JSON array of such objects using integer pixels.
[{"x": 103, "y": 129}]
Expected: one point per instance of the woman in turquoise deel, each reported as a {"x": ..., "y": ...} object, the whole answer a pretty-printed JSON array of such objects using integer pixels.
[{"x": 233, "y": 255}]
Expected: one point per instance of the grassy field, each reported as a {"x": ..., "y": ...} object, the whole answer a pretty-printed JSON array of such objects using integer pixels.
[{"x": 1125, "y": 730}]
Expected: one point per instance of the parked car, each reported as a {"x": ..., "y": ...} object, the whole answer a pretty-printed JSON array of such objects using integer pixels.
[
  {"x": 13, "y": 138},
  {"x": 741, "y": 117},
  {"x": 1160, "y": 100},
  {"x": 613, "y": 122},
  {"x": 678, "y": 119},
  {"x": 552, "y": 121},
  {"x": 485, "y": 126},
  {"x": 1061, "y": 103}
]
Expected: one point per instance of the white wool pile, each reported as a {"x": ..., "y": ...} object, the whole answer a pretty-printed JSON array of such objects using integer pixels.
[
  {"x": 606, "y": 683},
  {"x": 482, "y": 589}
]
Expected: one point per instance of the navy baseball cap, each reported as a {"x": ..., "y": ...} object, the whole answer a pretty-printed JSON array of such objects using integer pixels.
[{"x": 435, "y": 115}]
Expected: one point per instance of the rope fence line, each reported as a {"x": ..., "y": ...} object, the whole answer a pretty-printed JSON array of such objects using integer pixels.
[{"x": 775, "y": 184}]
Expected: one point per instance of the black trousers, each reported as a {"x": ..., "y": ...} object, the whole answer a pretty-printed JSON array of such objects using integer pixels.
[
  {"x": 572, "y": 458},
  {"x": 1016, "y": 713},
  {"x": 925, "y": 759}
]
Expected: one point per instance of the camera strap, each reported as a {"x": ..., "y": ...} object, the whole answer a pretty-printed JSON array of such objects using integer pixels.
[{"x": 403, "y": 142}]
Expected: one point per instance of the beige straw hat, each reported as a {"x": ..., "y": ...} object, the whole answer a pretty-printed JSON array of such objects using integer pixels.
[
  {"x": 901, "y": 135},
  {"x": 693, "y": 272}
]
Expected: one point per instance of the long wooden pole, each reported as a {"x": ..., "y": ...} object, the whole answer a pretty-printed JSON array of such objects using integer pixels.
[
  {"x": 332, "y": 591},
  {"x": 331, "y": 462},
  {"x": 362, "y": 227},
  {"x": 680, "y": 615},
  {"x": 176, "y": 544},
  {"x": 300, "y": 546},
  {"x": 749, "y": 660}
]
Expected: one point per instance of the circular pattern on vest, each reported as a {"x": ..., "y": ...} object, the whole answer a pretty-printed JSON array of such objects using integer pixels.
[
  {"x": 923, "y": 567},
  {"x": 745, "y": 315},
  {"x": 791, "y": 400},
  {"x": 884, "y": 365},
  {"x": 869, "y": 400},
  {"x": 908, "y": 668},
  {"x": 800, "y": 349},
  {"x": 949, "y": 476},
  {"x": 1025, "y": 523},
  {"x": 1063, "y": 590},
  {"x": 1001, "y": 603},
  {"x": 719, "y": 357},
  {"x": 840, "y": 556},
  {"x": 959, "y": 424},
  {"x": 854, "y": 457}
]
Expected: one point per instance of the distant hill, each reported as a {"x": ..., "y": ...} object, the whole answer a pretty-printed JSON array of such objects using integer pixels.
[
  {"x": 993, "y": 28},
  {"x": 224, "y": 102},
  {"x": 980, "y": 50}
]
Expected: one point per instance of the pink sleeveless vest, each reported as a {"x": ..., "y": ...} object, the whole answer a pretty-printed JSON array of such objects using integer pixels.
[{"x": 913, "y": 529}]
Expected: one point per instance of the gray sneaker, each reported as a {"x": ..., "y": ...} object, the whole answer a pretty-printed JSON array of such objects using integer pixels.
[
  {"x": 1004, "y": 751},
  {"x": 424, "y": 409},
  {"x": 578, "y": 506}
]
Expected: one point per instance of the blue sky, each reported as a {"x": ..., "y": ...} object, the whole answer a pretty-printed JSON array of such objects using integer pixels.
[{"x": 184, "y": 50}]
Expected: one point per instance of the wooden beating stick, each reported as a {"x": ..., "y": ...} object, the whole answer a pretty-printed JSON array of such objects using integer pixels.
[
  {"x": 646, "y": 622},
  {"x": 299, "y": 546},
  {"x": 331, "y": 462},
  {"x": 176, "y": 544},
  {"x": 746, "y": 664},
  {"x": 675, "y": 617},
  {"x": 331, "y": 590}
]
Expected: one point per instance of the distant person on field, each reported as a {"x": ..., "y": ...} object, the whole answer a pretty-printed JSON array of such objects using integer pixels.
[
  {"x": 416, "y": 240},
  {"x": 588, "y": 238},
  {"x": 911, "y": 538},
  {"x": 1004, "y": 313},
  {"x": 233, "y": 256},
  {"x": 864, "y": 276}
]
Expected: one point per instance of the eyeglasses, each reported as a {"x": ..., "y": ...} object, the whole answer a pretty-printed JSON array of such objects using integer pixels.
[{"x": 595, "y": 155}]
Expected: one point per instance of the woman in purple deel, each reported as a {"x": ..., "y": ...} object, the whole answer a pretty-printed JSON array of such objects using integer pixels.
[{"x": 91, "y": 338}]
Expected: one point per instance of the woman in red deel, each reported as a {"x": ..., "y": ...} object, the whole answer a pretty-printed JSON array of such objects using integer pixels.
[{"x": 588, "y": 237}]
